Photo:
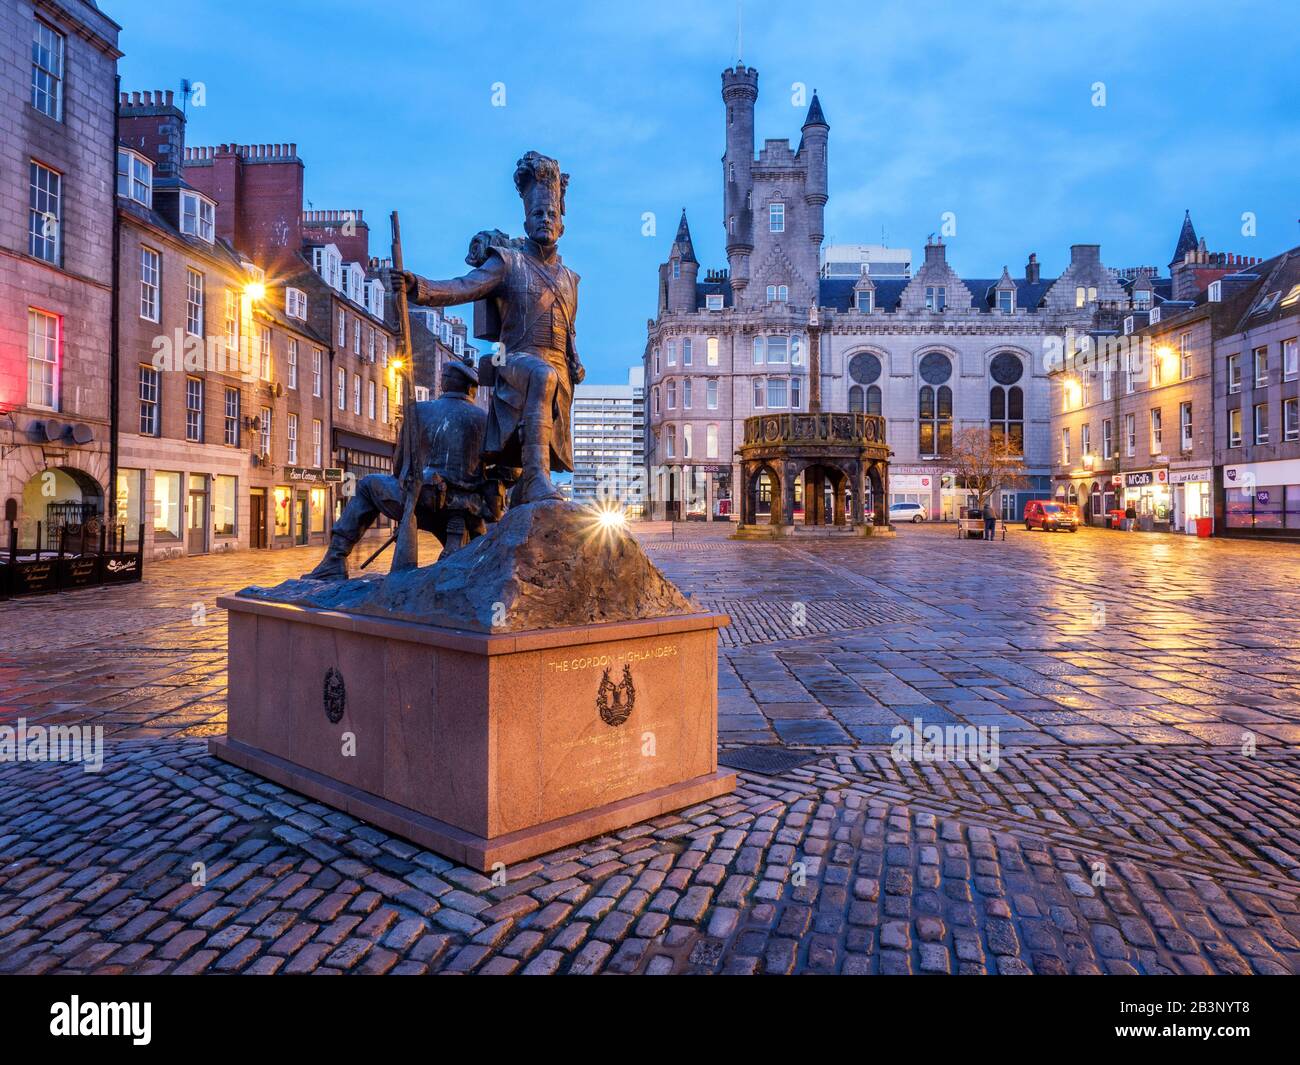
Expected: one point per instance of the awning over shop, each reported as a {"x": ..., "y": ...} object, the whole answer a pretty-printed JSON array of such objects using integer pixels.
[{"x": 356, "y": 442}]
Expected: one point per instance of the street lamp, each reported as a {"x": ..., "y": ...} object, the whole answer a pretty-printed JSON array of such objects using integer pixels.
[{"x": 255, "y": 290}]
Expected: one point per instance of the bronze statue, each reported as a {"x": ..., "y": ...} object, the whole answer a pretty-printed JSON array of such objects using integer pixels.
[
  {"x": 456, "y": 498},
  {"x": 534, "y": 298}
]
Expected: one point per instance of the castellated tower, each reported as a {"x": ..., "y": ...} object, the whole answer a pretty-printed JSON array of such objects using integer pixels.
[
  {"x": 773, "y": 203},
  {"x": 739, "y": 92},
  {"x": 812, "y": 149}
]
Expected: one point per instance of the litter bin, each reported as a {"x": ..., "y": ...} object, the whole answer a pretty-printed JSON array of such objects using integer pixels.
[{"x": 1204, "y": 526}]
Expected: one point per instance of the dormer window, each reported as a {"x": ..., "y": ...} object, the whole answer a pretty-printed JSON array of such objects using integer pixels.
[
  {"x": 1006, "y": 301},
  {"x": 936, "y": 297},
  {"x": 354, "y": 283},
  {"x": 295, "y": 303},
  {"x": 198, "y": 216},
  {"x": 778, "y": 293},
  {"x": 1128, "y": 325},
  {"x": 864, "y": 301},
  {"x": 458, "y": 344},
  {"x": 776, "y": 217},
  {"x": 1142, "y": 298},
  {"x": 1155, "y": 315},
  {"x": 134, "y": 177},
  {"x": 375, "y": 298},
  {"x": 327, "y": 262},
  {"x": 713, "y": 303}
]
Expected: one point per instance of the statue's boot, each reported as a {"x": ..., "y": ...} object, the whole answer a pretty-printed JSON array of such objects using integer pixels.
[
  {"x": 455, "y": 535},
  {"x": 334, "y": 566},
  {"x": 536, "y": 485}
]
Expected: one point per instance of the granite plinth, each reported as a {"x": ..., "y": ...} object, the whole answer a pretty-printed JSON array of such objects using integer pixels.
[{"x": 486, "y": 748}]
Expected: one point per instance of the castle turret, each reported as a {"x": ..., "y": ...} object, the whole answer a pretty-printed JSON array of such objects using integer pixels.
[
  {"x": 739, "y": 93},
  {"x": 681, "y": 271},
  {"x": 813, "y": 150}
]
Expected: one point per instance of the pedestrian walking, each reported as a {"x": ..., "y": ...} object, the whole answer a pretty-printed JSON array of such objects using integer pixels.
[{"x": 1130, "y": 518}]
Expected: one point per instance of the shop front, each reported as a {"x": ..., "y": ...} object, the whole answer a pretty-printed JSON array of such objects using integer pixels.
[
  {"x": 1191, "y": 494},
  {"x": 1262, "y": 499},
  {"x": 918, "y": 484},
  {"x": 1149, "y": 493}
]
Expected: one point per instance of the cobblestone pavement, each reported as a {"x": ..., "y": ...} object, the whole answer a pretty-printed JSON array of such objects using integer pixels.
[{"x": 1129, "y": 824}]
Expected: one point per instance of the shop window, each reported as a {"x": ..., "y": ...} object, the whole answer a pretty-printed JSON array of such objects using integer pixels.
[
  {"x": 130, "y": 503},
  {"x": 1291, "y": 507},
  {"x": 283, "y": 500},
  {"x": 223, "y": 505},
  {"x": 166, "y": 506},
  {"x": 318, "y": 510}
]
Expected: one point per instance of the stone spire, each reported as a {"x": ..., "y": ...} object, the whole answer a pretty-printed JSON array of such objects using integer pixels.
[
  {"x": 1186, "y": 240},
  {"x": 815, "y": 116},
  {"x": 682, "y": 246}
]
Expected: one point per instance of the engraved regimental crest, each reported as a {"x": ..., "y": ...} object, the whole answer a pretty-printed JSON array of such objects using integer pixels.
[
  {"x": 336, "y": 695},
  {"x": 615, "y": 701}
]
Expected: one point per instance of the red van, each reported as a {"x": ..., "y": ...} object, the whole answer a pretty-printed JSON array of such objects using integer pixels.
[{"x": 1050, "y": 517}]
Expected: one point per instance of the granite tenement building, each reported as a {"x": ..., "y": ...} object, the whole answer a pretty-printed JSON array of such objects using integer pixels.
[{"x": 56, "y": 265}]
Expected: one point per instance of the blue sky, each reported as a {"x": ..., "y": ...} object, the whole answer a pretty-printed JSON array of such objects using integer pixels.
[{"x": 985, "y": 110}]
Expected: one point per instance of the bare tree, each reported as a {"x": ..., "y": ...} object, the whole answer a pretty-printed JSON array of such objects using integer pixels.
[{"x": 986, "y": 463}]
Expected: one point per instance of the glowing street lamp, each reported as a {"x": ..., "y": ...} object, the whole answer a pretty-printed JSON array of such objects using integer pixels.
[{"x": 255, "y": 291}]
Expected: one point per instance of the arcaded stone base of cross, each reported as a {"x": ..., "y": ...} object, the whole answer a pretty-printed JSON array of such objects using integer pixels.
[{"x": 484, "y": 748}]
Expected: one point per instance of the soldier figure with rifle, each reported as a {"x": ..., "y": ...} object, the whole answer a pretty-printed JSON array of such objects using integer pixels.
[{"x": 439, "y": 454}]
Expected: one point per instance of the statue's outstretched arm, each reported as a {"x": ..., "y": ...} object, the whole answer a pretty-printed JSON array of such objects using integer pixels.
[{"x": 475, "y": 285}]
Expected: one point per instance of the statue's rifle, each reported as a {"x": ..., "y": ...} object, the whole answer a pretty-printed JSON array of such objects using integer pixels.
[{"x": 406, "y": 553}]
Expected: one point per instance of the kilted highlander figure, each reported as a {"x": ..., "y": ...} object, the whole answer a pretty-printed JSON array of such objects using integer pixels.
[{"x": 535, "y": 298}]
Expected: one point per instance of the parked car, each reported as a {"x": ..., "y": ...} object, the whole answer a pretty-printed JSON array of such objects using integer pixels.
[
  {"x": 913, "y": 512},
  {"x": 1050, "y": 517}
]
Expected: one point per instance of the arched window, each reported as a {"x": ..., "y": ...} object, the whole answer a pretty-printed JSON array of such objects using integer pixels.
[
  {"x": 855, "y": 400},
  {"x": 1007, "y": 401},
  {"x": 934, "y": 407},
  {"x": 934, "y": 404},
  {"x": 873, "y": 399}
]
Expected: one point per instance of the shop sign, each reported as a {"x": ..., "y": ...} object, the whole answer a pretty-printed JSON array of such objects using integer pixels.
[
  {"x": 1189, "y": 476},
  {"x": 300, "y": 473},
  {"x": 1261, "y": 496},
  {"x": 332, "y": 473},
  {"x": 909, "y": 484},
  {"x": 1146, "y": 477}
]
